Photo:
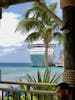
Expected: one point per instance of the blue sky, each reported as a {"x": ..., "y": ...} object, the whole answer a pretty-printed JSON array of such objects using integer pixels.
[{"x": 11, "y": 42}]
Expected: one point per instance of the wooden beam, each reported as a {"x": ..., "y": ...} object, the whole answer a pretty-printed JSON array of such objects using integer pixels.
[
  {"x": 6, "y": 3},
  {"x": 66, "y": 3}
]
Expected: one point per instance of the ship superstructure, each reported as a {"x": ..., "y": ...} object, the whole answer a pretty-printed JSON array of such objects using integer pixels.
[{"x": 37, "y": 53}]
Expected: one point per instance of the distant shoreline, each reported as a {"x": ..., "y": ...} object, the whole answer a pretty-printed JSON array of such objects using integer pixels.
[
  {"x": 15, "y": 64},
  {"x": 26, "y": 64}
]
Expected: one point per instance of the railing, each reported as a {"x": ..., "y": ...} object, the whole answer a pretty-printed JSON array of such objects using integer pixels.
[{"x": 26, "y": 91}]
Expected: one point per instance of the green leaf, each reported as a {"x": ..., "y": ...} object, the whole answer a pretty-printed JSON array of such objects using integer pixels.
[
  {"x": 46, "y": 77},
  {"x": 39, "y": 77},
  {"x": 32, "y": 37},
  {"x": 53, "y": 6}
]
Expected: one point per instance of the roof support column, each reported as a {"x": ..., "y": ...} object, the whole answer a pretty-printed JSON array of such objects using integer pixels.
[{"x": 68, "y": 7}]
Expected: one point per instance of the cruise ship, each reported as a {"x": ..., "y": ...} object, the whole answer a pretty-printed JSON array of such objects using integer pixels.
[{"x": 37, "y": 53}]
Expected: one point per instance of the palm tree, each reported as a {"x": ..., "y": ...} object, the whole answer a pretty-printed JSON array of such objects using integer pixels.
[{"x": 42, "y": 24}]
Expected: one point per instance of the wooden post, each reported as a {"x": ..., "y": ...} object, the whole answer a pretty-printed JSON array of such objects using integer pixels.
[{"x": 68, "y": 7}]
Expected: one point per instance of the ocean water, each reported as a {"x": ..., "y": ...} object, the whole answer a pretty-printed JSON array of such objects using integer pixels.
[{"x": 15, "y": 73}]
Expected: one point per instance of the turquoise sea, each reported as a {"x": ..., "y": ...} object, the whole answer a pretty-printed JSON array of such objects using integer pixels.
[{"x": 14, "y": 73}]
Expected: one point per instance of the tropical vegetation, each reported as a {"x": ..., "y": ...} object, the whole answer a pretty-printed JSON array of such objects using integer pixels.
[
  {"x": 43, "y": 25},
  {"x": 47, "y": 77}
]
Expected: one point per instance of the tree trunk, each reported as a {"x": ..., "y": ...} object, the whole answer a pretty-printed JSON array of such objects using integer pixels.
[
  {"x": 46, "y": 56},
  {"x": 69, "y": 46}
]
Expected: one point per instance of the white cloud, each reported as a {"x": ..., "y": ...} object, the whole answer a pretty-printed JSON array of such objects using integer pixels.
[
  {"x": 6, "y": 51},
  {"x": 8, "y": 24}
]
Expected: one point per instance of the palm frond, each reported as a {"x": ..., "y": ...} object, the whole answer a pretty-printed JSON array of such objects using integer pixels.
[
  {"x": 49, "y": 30},
  {"x": 59, "y": 36},
  {"x": 22, "y": 86},
  {"x": 39, "y": 77},
  {"x": 28, "y": 12},
  {"x": 21, "y": 26},
  {"x": 34, "y": 79},
  {"x": 32, "y": 37},
  {"x": 28, "y": 24},
  {"x": 53, "y": 6},
  {"x": 46, "y": 77},
  {"x": 29, "y": 78},
  {"x": 56, "y": 79},
  {"x": 35, "y": 11}
]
